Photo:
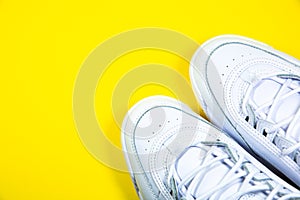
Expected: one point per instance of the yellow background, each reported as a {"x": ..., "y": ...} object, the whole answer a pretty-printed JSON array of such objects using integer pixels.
[{"x": 42, "y": 46}]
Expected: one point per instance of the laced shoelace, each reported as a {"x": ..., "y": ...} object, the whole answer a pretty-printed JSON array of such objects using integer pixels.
[
  {"x": 259, "y": 118},
  {"x": 239, "y": 173}
]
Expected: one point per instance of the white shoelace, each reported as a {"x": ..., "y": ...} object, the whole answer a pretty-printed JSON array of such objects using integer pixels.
[
  {"x": 257, "y": 116},
  {"x": 250, "y": 179}
]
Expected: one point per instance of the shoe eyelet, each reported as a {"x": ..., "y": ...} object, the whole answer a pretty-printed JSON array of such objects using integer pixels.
[
  {"x": 247, "y": 119},
  {"x": 265, "y": 133}
]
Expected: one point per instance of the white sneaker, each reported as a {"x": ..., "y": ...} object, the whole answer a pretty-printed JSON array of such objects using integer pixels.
[
  {"x": 252, "y": 91},
  {"x": 172, "y": 153}
]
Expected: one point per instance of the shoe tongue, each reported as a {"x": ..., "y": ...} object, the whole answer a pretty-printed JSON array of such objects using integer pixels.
[
  {"x": 265, "y": 91},
  {"x": 196, "y": 157},
  {"x": 190, "y": 160}
]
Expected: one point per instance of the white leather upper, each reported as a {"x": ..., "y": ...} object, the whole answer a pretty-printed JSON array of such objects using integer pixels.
[{"x": 221, "y": 71}]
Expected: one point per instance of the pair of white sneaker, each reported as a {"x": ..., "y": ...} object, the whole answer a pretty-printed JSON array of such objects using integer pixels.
[{"x": 251, "y": 92}]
